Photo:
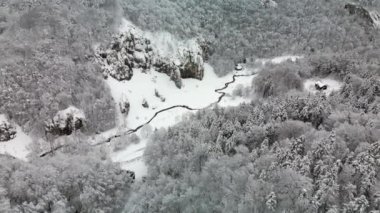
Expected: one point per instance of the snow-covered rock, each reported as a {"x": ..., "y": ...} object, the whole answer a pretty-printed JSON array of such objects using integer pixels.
[
  {"x": 192, "y": 66},
  {"x": 158, "y": 95},
  {"x": 187, "y": 56},
  {"x": 325, "y": 85},
  {"x": 165, "y": 65},
  {"x": 65, "y": 122},
  {"x": 238, "y": 67},
  {"x": 320, "y": 86},
  {"x": 145, "y": 103},
  {"x": 268, "y": 3},
  {"x": 128, "y": 50},
  {"x": 134, "y": 49},
  {"x": 124, "y": 105},
  {"x": 371, "y": 17},
  {"x": 191, "y": 60},
  {"x": 7, "y": 130}
]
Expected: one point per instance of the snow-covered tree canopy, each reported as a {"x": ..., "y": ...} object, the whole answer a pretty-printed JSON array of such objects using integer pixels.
[{"x": 288, "y": 148}]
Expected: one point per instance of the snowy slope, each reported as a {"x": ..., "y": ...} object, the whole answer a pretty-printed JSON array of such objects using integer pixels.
[
  {"x": 194, "y": 93},
  {"x": 17, "y": 147}
]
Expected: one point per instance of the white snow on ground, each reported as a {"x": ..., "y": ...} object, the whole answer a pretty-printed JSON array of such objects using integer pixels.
[
  {"x": 194, "y": 93},
  {"x": 279, "y": 60},
  {"x": 3, "y": 118},
  {"x": 17, "y": 147},
  {"x": 131, "y": 159},
  {"x": 332, "y": 85},
  {"x": 245, "y": 82}
]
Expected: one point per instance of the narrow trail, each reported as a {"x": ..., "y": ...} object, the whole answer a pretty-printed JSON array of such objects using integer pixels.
[{"x": 131, "y": 131}]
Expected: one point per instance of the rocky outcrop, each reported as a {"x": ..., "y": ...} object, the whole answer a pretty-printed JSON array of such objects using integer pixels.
[
  {"x": 127, "y": 51},
  {"x": 145, "y": 103},
  {"x": 319, "y": 86},
  {"x": 268, "y": 3},
  {"x": 188, "y": 62},
  {"x": 158, "y": 95},
  {"x": 192, "y": 65},
  {"x": 167, "y": 66},
  {"x": 7, "y": 130},
  {"x": 133, "y": 50},
  {"x": 65, "y": 122},
  {"x": 371, "y": 18},
  {"x": 124, "y": 105}
]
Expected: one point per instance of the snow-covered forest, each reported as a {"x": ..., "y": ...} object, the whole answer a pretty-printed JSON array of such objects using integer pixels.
[{"x": 190, "y": 106}]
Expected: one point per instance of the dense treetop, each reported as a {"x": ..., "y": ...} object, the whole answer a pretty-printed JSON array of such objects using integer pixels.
[
  {"x": 46, "y": 62},
  {"x": 288, "y": 150},
  {"x": 246, "y": 28}
]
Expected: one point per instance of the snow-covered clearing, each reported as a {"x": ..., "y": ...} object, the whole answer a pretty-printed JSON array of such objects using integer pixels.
[
  {"x": 17, "y": 147},
  {"x": 332, "y": 85},
  {"x": 195, "y": 94},
  {"x": 160, "y": 93},
  {"x": 143, "y": 86}
]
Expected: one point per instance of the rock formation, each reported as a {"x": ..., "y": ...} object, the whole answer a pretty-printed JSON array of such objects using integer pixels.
[
  {"x": 7, "y": 130},
  {"x": 167, "y": 66},
  {"x": 192, "y": 65},
  {"x": 320, "y": 87},
  {"x": 124, "y": 105},
  {"x": 126, "y": 52},
  {"x": 145, "y": 103},
  {"x": 133, "y": 50},
  {"x": 372, "y": 18},
  {"x": 269, "y": 3},
  {"x": 65, "y": 122},
  {"x": 158, "y": 95}
]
